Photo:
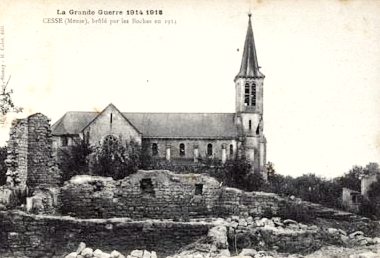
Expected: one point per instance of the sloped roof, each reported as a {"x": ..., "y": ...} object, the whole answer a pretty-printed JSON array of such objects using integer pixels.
[
  {"x": 159, "y": 125},
  {"x": 72, "y": 122},
  {"x": 249, "y": 66}
]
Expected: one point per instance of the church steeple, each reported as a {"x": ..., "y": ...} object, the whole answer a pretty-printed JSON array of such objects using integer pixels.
[
  {"x": 249, "y": 105},
  {"x": 249, "y": 66}
]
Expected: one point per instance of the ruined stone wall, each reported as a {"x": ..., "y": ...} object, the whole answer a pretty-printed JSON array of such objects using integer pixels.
[
  {"x": 17, "y": 159},
  {"x": 366, "y": 183},
  {"x": 41, "y": 166},
  {"x": 160, "y": 194},
  {"x": 23, "y": 235},
  {"x": 30, "y": 162}
]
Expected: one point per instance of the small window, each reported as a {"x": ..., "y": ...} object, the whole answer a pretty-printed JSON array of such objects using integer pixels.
[
  {"x": 250, "y": 124},
  {"x": 209, "y": 149},
  {"x": 231, "y": 150},
  {"x": 88, "y": 137},
  {"x": 246, "y": 94},
  {"x": 154, "y": 149},
  {"x": 246, "y": 101},
  {"x": 253, "y": 94},
  {"x": 198, "y": 189},
  {"x": 146, "y": 186},
  {"x": 246, "y": 90},
  {"x": 182, "y": 150},
  {"x": 258, "y": 129},
  {"x": 111, "y": 118},
  {"x": 355, "y": 198},
  {"x": 64, "y": 141}
]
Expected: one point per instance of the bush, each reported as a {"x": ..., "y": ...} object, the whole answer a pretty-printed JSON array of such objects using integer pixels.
[
  {"x": 73, "y": 160},
  {"x": 308, "y": 187},
  {"x": 371, "y": 207},
  {"x": 297, "y": 212},
  {"x": 368, "y": 209},
  {"x": 351, "y": 179},
  {"x": 237, "y": 173},
  {"x": 116, "y": 160}
]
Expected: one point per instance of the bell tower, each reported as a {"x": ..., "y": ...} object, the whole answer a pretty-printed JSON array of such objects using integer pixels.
[{"x": 249, "y": 105}]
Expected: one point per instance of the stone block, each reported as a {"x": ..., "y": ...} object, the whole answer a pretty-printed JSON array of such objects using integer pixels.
[
  {"x": 137, "y": 253},
  {"x": 146, "y": 254},
  {"x": 116, "y": 254},
  {"x": 87, "y": 252},
  {"x": 248, "y": 252},
  {"x": 71, "y": 255}
]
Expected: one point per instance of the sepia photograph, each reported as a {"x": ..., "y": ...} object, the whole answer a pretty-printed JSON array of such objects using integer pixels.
[{"x": 190, "y": 129}]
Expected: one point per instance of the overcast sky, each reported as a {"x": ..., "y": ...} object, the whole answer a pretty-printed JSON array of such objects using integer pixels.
[{"x": 321, "y": 60}]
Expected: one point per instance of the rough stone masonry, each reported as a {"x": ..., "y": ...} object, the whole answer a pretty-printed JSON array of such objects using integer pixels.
[
  {"x": 160, "y": 194},
  {"x": 31, "y": 169},
  {"x": 30, "y": 162}
]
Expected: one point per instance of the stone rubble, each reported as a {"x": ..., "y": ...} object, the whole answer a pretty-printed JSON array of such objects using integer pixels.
[
  {"x": 86, "y": 252},
  {"x": 274, "y": 233}
]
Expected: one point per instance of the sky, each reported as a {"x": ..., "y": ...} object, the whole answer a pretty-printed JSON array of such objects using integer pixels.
[{"x": 321, "y": 60}]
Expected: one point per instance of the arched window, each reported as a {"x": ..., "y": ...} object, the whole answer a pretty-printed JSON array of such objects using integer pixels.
[
  {"x": 154, "y": 149},
  {"x": 110, "y": 141},
  {"x": 231, "y": 150},
  {"x": 209, "y": 149},
  {"x": 250, "y": 124},
  {"x": 111, "y": 118},
  {"x": 253, "y": 94},
  {"x": 182, "y": 149},
  {"x": 246, "y": 94}
]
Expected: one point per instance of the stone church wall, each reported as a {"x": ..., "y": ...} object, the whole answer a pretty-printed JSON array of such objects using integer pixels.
[
  {"x": 160, "y": 194},
  {"x": 190, "y": 145},
  {"x": 111, "y": 122}
]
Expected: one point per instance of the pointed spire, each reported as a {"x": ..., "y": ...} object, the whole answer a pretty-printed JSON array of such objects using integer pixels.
[{"x": 249, "y": 66}]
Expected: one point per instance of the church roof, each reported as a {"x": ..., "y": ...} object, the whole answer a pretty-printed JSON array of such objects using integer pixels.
[
  {"x": 159, "y": 125},
  {"x": 249, "y": 66}
]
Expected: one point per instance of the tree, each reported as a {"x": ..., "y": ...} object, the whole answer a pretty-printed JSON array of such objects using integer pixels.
[
  {"x": 74, "y": 160},
  {"x": 6, "y": 102},
  {"x": 116, "y": 160},
  {"x": 371, "y": 206},
  {"x": 371, "y": 168},
  {"x": 270, "y": 169},
  {"x": 351, "y": 179},
  {"x": 310, "y": 187},
  {"x": 282, "y": 185},
  {"x": 238, "y": 173}
]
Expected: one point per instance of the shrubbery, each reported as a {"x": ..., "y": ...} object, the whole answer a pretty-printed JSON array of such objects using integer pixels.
[
  {"x": 111, "y": 159},
  {"x": 74, "y": 160},
  {"x": 371, "y": 207},
  {"x": 296, "y": 212},
  {"x": 237, "y": 173},
  {"x": 116, "y": 160}
]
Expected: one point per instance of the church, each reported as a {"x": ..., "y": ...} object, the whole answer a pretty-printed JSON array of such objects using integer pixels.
[{"x": 179, "y": 137}]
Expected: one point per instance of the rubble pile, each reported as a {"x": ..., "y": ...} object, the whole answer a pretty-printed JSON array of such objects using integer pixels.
[
  {"x": 276, "y": 234},
  {"x": 87, "y": 252}
]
